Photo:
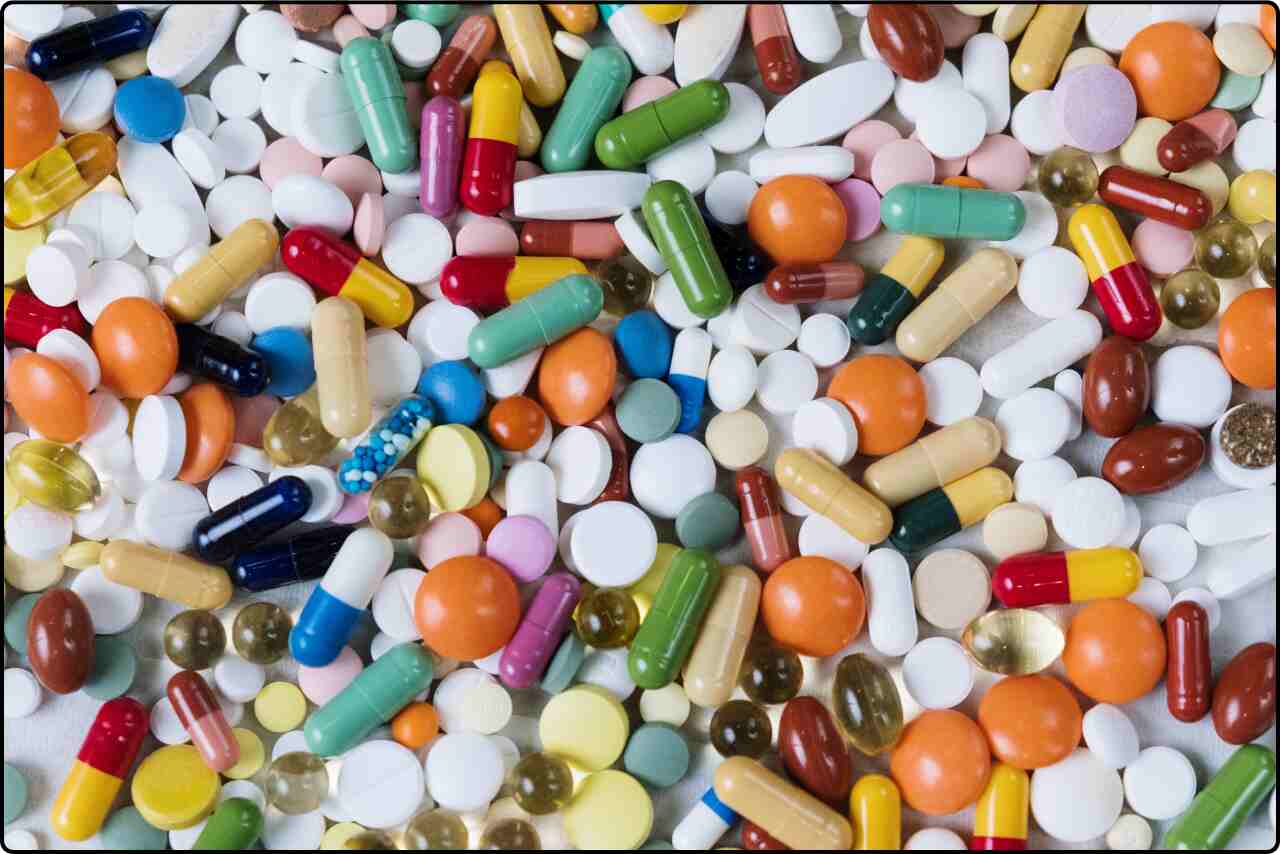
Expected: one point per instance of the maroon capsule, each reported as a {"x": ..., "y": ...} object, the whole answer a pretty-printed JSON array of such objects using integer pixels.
[
  {"x": 776, "y": 56},
  {"x": 1117, "y": 387},
  {"x": 804, "y": 283},
  {"x": 908, "y": 39},
  {"x": 1154, "y": 197},
  {"x": 1188, "y": 670},
  {"x": 813, "y": 750},
  {"x": 60, "y": 641},
  {"x": 1153, "y": 458},
  {"x": 1195, "y": 140},
  {"x": 756, "y": 838},
  {"x": 1244, "y": 700},
  {"x": 762, "y": 518}
]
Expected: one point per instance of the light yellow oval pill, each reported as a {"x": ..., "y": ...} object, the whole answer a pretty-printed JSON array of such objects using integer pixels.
[
  {"x": 82, "y": 555},
  {"x": 610, "y": 811},
  {"x": 1139, "y": 150},
  {"x": 335, "y": 838},
  {"x": 173, "y": 788},
  {"x": 251, "y": 755},
  {"x": 454, "y": 466},
  {"x": 280, "y": 707},
  {"x": 587, "y": 726}
]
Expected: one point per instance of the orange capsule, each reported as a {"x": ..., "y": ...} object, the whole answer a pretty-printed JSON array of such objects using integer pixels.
[
  {"x": 211, "y": 427},
  {"x": 48, "y": 397}
]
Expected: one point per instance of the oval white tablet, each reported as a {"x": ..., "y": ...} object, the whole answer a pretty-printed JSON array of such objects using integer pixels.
[
  {"x": 1110, "y": 735},
  {"x": 706, "y": 39},
  {"x": 392, "y": 604},
  {"x": 264, "y": 41},
  {"x": 729, "y": 196},
  {"x": 58, "y": 271},
  {"x": 1180, "y": 368},
  {"x": 821, "y": 537},
  {"x": 828, "y": 163},
  {"x": 159, "y": 437},
  {"x": 851, "y": 93},
  {"x": 985, "y": 70},
  {"x": 201, "y": 159},
  {"x": 308, "y": 200},
  {"x": 279, "y": 299},
  {"x": 580, "y": 195}
]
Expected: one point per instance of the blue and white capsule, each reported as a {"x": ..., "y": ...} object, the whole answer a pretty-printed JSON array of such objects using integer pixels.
[
  {"x": 335, "y": 605},
  {"x": 703, "y": 825},
  {"x": 690, "y": 360},
  {"x": 386, "y": 445}
]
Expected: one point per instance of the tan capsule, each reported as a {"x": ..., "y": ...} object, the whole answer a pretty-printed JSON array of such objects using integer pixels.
[
  {"x": 711, "y": 673},
  {"x": 786, "y": 812},
  {"x": 959, "y": 301},
  {"x": 528, "y": 134},
  {"x": 342, "y": 367},
  {"x": 527, "y": 39},
  {"x": 827, "y": 490},
  {"x": 1044, "y": 46},
  {"x": 225, "y": 267},
  {"x": 936, "y": 460},
  {"x": 1011, "y": 20},
  {"x": 166, "y": 574}
]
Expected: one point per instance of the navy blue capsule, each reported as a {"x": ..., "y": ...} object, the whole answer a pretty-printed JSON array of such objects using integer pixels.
[
  {"x": 221, "y": 360},
  {"x": 248, "y": 521},
  {"x": 744, "y": 262},
  {"x": 644, "y": 343},
  {"x": 304, "y": 558},
  {"x": 91, "y": 43}
]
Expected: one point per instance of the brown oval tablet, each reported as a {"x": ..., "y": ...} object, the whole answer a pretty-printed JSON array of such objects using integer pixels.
[
  {"x": 60, "y": 641},
  {"x": 813, "y": 750},
  {"x": 311, "y": 17},
  {"x": 908, "y": 38},
  {"x": 1154, "y": 458},
  {"x": 1117, "y": 387},
  {"x": 1244, "y": 700}
]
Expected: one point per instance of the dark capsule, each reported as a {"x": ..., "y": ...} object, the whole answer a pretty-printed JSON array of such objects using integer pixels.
[
  {"x": 744, "y": 262},
  {"x": 221, "y": 360},
  {"x": 303, "y": 558},
  {"x": 90, "y": 43},
  {"x": 248, "y": 521}
]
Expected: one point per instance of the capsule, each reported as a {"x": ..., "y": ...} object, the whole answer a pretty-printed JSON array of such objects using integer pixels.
[
  {"x": 827, "y": 490},
  {"x": 664, "y": 13},
  {"x": 202, "y": 717},
  {"x": 1059, "y": 578},
  {"x": 435, "y": 14},
  {"x": 744, "y": 263},
  {"x": 337, "y": 602},
  {"x": 786, "y": 812},
  {"x": 443, "y": 139},
  {"x": 619, "y": 485},
  {"x": 336, "y": 268},
  {"x": 681, "y": 236},
  {"x": 303, "y": 558},
  {"x": 798, "y": 284},
  {"x": 99, "y": 769},
  {"x": 593, "y": 98},
  {"x": 1195, "y": 140},
  {"x": 894, "y": 291},
  {"x": 227, "y": 265},
  {"x": 668, "y": 632},
  {"x": 930, "y": 463},
  {"x": 57, "y": 178},
  {"x": 453, "y": 73},
  {"x": 538, "y": 320},
  {"x": 544, "y": 625},
  {"x": 387, "y": 444},
  {"x": 957, "y": 304},
  {"x": 489, "y": 162},
  {"x": 1000, "y": 819},
  {"x": 221, "y": 360},
  {"x": 1157, "y": 198},
  {"x": 636, "y": 136},
  {"x": 52, "y": 475},
  {"x": 935, "y": 210},
  {"x": 1118, "y": 280},
  {"x": 373, "y": 84},
  {"x": 528, "y": 42},
  {"x": 594, "y": 241},
  {"x": 875, "y": 810},
  {"x": 1215, "y": 816},
  {"x": 1189, "y": 674},
  {"x": 939, "y": 513},
  {"x": 295, "y": 435},
  {"x": 690, "y": 361},
  {"x": 166, "y": 574},
  {"x": 776, "y": 56},
  {"x": 711, "y": 673},
  {"x": 489, "y": 284},
  {"x": 249, "y": 520},
  {"x": 649, "y": 44},
  {"x": 342, "y": 367},
  {"x": 1252, "y": 197},
  {"x": 703, "y": 825},
  {"x": 866, "y": 704},
  {"x": 761, "y": 509},
  {"x": 371, "y": 699},
  {"x": 27, "y": 319},
  {"x": 234, "y": 826},
  {"x": 87, "y": 44},
  {"x": 1044, "y": 46},
  {"x": 577, "y": 18}
]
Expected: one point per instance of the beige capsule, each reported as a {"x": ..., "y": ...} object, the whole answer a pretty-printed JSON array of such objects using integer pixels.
[
  {"x": 1044, "y": 45},
  {"x": 711, "y": 673},
  {"x": 827, "y": 490},
  {"x": 528, "y": 134},
  {"x": 1011, "y": 20},
  {"x": 936, "y": 460},
  {"x": 225, "y": 267},
  {"x": 166, "y": 574},
  {"x": 342, "y": 367},
  {"x": 960, "y": 301},
  {"x": 786, "y": 812}
]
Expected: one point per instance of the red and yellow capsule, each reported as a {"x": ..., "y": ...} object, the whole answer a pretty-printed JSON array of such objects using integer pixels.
[
  {"x": 335, "y": 267},
  {"x": 1119, "y": 281},
  {"x": 492, "y": 284},
  {"x": 1000, "y": 820},
  {"x": 875, "y": 808},
  {"x": 103, "y": 762},
  {"x": 489, "y": 163},
  {"x": 1057, "y": 578}
]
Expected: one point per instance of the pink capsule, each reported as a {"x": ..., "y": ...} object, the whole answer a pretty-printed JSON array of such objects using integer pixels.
[
  {"x": 440, "y": 150},
  {"x": 198, "y": 709}
]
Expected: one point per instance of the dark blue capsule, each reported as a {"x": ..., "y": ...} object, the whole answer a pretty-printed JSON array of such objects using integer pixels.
[
  {"x": 305, "y": 557},
  {"x": 91, "y": 43},
  {"x": 744, "y": 262},
  {"x": 248, "y": 521},
  {"x": 221, "y": 360}
]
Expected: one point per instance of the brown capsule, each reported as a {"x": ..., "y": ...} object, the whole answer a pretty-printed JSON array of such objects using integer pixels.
[
  {"x": 1117, "y": 387},
  {"x": 813, "y": 750},
  {"x": 908, "y": 38},
  {"x": 1155, "y": 197},
  {"x": 1244, "y": 700},
  {"x": 1153, "y": 458},
  {"x": 1188, "y": 670},
  {"x": 756, "y": 838},
  {"x": 60, "y": 641}
]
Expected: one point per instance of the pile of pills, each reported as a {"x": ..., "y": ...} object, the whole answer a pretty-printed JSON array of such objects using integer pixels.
[{"x": 813, "y": 426}]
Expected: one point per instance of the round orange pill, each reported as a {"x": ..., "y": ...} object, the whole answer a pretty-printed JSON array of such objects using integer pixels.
[
  {"x": 30, "y": 117},
  {"x": 467, "y": 607},
  {"x": 516, "y": 423},
  {"x": 941, "y": 763},
  {"x": 48, "y": 397},
  {"x": 1030, "y": 721},
  {"x": 797, "y": 219},
  {"x": 1115, "y": 651},
  {"x": 813, "y": 605},
  {"x": 486, "y": 514},
  {"x": 1267, "y": 23},
  {"x": 1173, "y": 69},
  {"x": 211, "y": 428},
  {"x": 136, "y": 346},
  {"x": 963, "y": 181},
  {"x": 887, "y": 399},
  {"x": 415, "y": 725},
  {"x": 576, "y": 377},
  {"x": 1247, "y": 338}
]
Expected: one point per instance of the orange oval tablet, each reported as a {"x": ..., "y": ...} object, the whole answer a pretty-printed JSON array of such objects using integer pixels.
[
  {"x": 1267, "y": 23},
  {"x": 211, "y": 428},
  {"x": 964, "y": 181},
  {"x": 486, "y": 514},
  {"x": 576, "y": 377},
  {"x": 1115, "y": 651},
  {"x": 813, "y": 605},
  {"x": 48, "y": 397},
  {"x": 415, "y": 725},
  {"x": 1030, "y": 721},
  {"x": 887, "y": 399},
  {"x": 797, "y": 219},
  {"x": 515, "y": 423},
  {"x": 941, "y": 762},
  {"x": 136, "y": 346},
  {"x": 30, "y": 117},
  {"x": 467, "y": 607},
  {"x": 1247, "y": 338},
  {"x": 1173, "y": 69}
]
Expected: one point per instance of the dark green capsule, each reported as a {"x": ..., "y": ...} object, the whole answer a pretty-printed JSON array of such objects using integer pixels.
[
  {"x": 1217, "y": 813},
  {"x": 940, "y": 211},
  {"x": 234, "y": 826},
  {"x": 876, "y": 315},
  {"x": 538, "y": 320},
  {"x": 636, "y": 136},
  {"x": 923, "y": 521},
  {"x": 376, "y": 92},
  {"x": 681, "y": 235},
  {"x": 664, "y": 639},
  {"x": 593, "y": 96},
  {"x": 374, "y": 697}
]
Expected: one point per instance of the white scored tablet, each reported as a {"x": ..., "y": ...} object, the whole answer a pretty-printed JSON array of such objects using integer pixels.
[
  {"x": 706, "y": 40},
  {"x": 190, "y": 36}
]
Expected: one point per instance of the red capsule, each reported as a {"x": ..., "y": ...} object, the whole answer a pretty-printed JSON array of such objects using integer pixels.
[
  {"x": 805, "y": 283},
  {"x": 606, "y": 423},
  {"x": 198, "y": 709},
  {"x": 594, "y": 241},
  {"x": 104, "y": 760},
  {"x": 756, "y": 838},
  {"x": 1195, "y": 140},
  {"x": 1156, "y": 198},
  {"x": 27, "y": 319},
  {"x": 458, "y": 66},
  {"x": 776, "y": 56},
  {"x": 1189, "y": 672},
  {"x": 762, "y": 518}
]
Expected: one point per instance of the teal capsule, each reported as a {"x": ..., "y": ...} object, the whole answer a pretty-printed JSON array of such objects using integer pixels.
[
  {"x": 234, "y": 826},
  {"x": 677, "y": 228},
  {"x": 540, "y": 319},
  {"x": 374, "y": 697},
  {"x": 636, "y": 136},
  {"x": 435, "y": 14},
  {"x": 1217, "y": 813},
  {"x": 940, "y": 211},
  {"x": 663, "y": 641},
  {"x": 593, "y": 96},
  {"x": 374, "y": 86}
]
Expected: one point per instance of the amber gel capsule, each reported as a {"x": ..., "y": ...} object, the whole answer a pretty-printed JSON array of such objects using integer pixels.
[{"x": 57, "y": 178}]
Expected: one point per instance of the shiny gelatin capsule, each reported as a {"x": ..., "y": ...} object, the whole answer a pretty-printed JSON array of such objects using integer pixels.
[
  {"x": 866, "y": 705},
  {"x": 218, "y": 358},
  {"x": 1188, "y": 669},
  {"x": 761, "y": 509},
  {"x": 57, "y": 178},
  {"x": 1059, "y": 578},
  {"x": 99, "y": 769},
  {"x": 538, "y": 320},
  {"x": 1195, "y": 140},
  {"x": 303, "y": 558},
  {"x": 198, "y": 710},
  {"x": 335, "y": 267},
  {"x": 1154, "y": 197},
  {"x": 875, "y": 809},
  {"x": 52, "y": 475},
  {"x": 27, "y": 319},
  {"x": 90, "y": 43},
  {"x": 795, "y": 284},
  {"x": 1119, "y": 281},
  {"x": 386, "y": 445},
  {"x": 371, "y": 699},
  {"x": 664, "y": 639},
  {"x": 203, "y": 286},
  {"x": 593, "y": 241},
  {"x": 892, "y": 293},
  {"x": 634, "y": 137},
  {"x": 1000, "y": 819},
  {"x": 939, "y": 513},
  {"x": 458, "y": 66},
  {"x": 249, "y": 520},
  {"x": 295, "y": 434},
  {"x": 234, "y": 826},
  {"x": 681, "y": 236},
  {"x": 1215, "y": 816},
  {"x": 489, "y": 162},
  {"x": 1014, "y": 641},
  {"x": 577, "y": 18},
  {"x": 527, "y": 39},
  {"x": 376, "y": 92},
  {"x": 489, "y": 284},
  {"x": 935, "y": 210}
]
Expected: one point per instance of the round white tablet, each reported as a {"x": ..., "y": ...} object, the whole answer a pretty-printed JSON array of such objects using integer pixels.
[
  {"x": 162, "y": 229},
  {"x": 669, "y": 304},
  {"x": 393, "y": 604},
  {"x": 168, "y": 512},
  {"x": 73, "y": 353},
  {"x": 415, "y": 43},
  {"x": 1052, "y": 282},
  {"x": 938, "y": 673},
  {"x": 279, "y": 92},
  {"x": 233, "y": 325},
  {"x": 820, "y": 537},
  {"x": 742, "y": 127},
  {"x": 440, "y": 329},
  {"x": 1088, "y": 513},
  {"x": 279, "y": 299},
  {"x": 582, "y": 462},
  {"x": 236, "y": 92},
  {"x": 311, "y": 200},
  {"x": 326, "y": 499},
  {"x": 323, "y": 118},
  {"x": 827, "y": 426},
  {"x": 1152, "y": 596},
  {"x": 1038, "y": 232},
  {"x": 293, "y": 741},
  {"x": 1128, "y": 534},
  {"x": 824, "y": 338},
  {"x": 952, "y": 125},
  {"x": 21, "y": 694},
  {"x": 450, "y": 698},
  {"x": 394, "y": 366},
  {"x": 58, "y": 271},
  {"x": 564, "y": 541},
  {"x": 931, "y": 838},
  {"x": 201, "y": 114},
  {"x": 165, "y": 724},
  {"x": 613, "y": 544},
  {"x": 1034, "y": 124},
  {"x": 282, "y": 832},
  {"x": 1110, "y": 735},
  {"x": 487, "y": 706},
  {"x": 607, "y": 669},
  {"x": 952, "y": 389},
  {"x": 381, "y": 783},
  {"x": 1255, "y": 145},
  {"x": 1076, "y": 799},
  {"x": 1038, "y": 482},
  {"x": 729, "y": 196},
  {"x": 106, "y": 221},
  {"x": 1206, "y": 600},
  {"x": 113, "y": 607},
  {"x": 667, "y": 475},
  {"x": 1034, "y": 424},
  {"x": 731, "y": 378},
  {"x": 264, "y": 41},
  {"x": 464, "y": 771},
  {"x": 235, "y": 200},
  {"x": 159, "y": 437},
  {"x": 1189, "y": 367},
  {"x": 36, "y": 532},
  {"x": 1160, "y": 783},
  {"x": 786, "y": 381},
  {"x": 416, "y": 247},
  {"x": 1070, "y": 385},
  {"x": 85, "y": 99},
  {"x": 199, "y": 157},
  {"x": 690, "y": 162},
  {"x": 238, "y": 680},
  {"x": 241, "y": 142},
  {"x": 106, "y": 518},
  {"x": 31, "y": 21},
  {"x": 21, "y": 840},
  {"x": 762, "y": 325},
  {"x": 1130, "y": 832},
  {"x": 109, "y": 281}
]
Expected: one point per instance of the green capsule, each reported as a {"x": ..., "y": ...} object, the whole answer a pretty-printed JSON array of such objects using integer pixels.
[
  {"x": 374, "y": 697},
  {"x": 941, "y": 211},
  {"x": 540, "y": 319},
  {"x": 234, "y": 826},
  {"x": 664, "y": 639},
  {"x": 866, "y": 704},
  {"x": 1216, "y": 814},
  {"x": 435, "y": 14},
  {"x": 52, "y": 475},
  {"x": 636, "y": 136},
  {"x": 681, "y": 236},
  {"x": 374, "y": 86},
  {"x": 594, "y": 94}
]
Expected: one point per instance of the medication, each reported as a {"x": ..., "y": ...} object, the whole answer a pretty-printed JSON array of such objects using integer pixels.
[
  {"x": 234, "y": 826},
  {"x": 491, "y": 284},
  {"x": 762, "y": 518},
  {"x": 875, "y": 810},
  {"x": 934, "y": 461},
  {"x": 908, "y": 40},
  {"x": 682, "y": 237},
  {"x": 388, "y": 443},
  {"x": 866, "y": 704},
  {"x": 528, "y": 43},
  {"x": 1189, "y": 676},
  {"x": 55, "y": 179},
  {"x": 741, "y": 728},
  {"x": 248, "y": 521},
  {"x": 670, "y": 628},
  {"x": 1153, "y": 458},
  {"x": 52, "y": 475},
  {"x": 1119, "y": 282},
  {"x": 335, "y": 605},
  {"x": 99, "y": 769},
  {"x": 1233, "y": 516},
  {"x": 60, "y": 641},
  {"x": 594, "y": 241},
  {"x": 940, "y": 211},
  {"x": 1152, "y": 196},
  {"x": 378, "y": 96},
  {"x": 939, "y": 513},
  {"x": 650, "y": 46},
  {"x": 202, "y": 717},
  {"x": 204, "y": 285},
  {"x": 690, "y": 359},
  {"x": 1000, "y": 819},
  {"x": 788, "y": 813},
  {"x": 792, "y": 284},
  {"x": 93, "y": 42},
  {"x": 1014, "y": 641},
  {"x": 776, "y": 57},
  {"x": 578, "y": 18},
  {"x": 440, "y": 155},
  {"x": 371, "y": 699},
  {"x": 213, "y": 357},
  {"x": 295, "y": 434},
  {"x": 335, "y": 267},
  {"x": 594, "y": 95},
  {"x": 489, "y": 162},
  {"x": 342, "y": 367},
  {"x": 1052, "y": 348},
  {"x": 957, "y": 304},
  {"x": 812, "y": 748},
  {"x": 703, "y": 825},
  {"x": 893, "y": 292},
  {"x": 453, "y": 73},
  {"x": 1219, "y": 810},
  {"x": 637, "y": 136},
  {"x": 1195, "y": 140},
  {"x": 1253, "y": 197},
  {"x": 545, "y": 622},
  {"x": 711, "y": 671},
  {"x": 1044, "y": 46},
  {"x": 538, "y": 320},
  {"x": 27, "y": 319},
  {"x": 1058, "y": 578},
  {"x": 827, "y": 490},
  {"x": 1244, "y": 706},
  {"x": 166, "y": 574}
]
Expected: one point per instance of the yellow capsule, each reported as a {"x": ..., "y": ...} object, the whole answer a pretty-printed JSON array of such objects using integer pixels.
[
  {"x": 532, "y": 273},
  {"x": 166, "y": 574},
  {"x": 1098, "y": 240},
  {"x": 528, "y": 134},
  {"x": 55, "y": 179},
  {"x": 83, "y": 802},
  {"x": 1108, "y": 573},
  {"x": 940, "y": 458},
  {"x": 82, "y": 555},
  {"x": 226, "y": 266},
  {"x": 1253, "y": 197},
  {"x": 52, "y": 475},
  {"x": 875, "y": 808},
  {"x": 495, "y": 104},
  {"x": 915, "y": 263},
  {"x": 827, "y": 490},
  {"x": 1001, "y": 815},
  {"x": 528, "y": 41},
  {"x": 977, "y": 494},
  {"x": 959, "y": 302},
  {"x": 786, "y": 812},
  {"x": 342, "y": 367},
  {"x": 664, "y": 13},
  {"x": 1044, "y": 46}
]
